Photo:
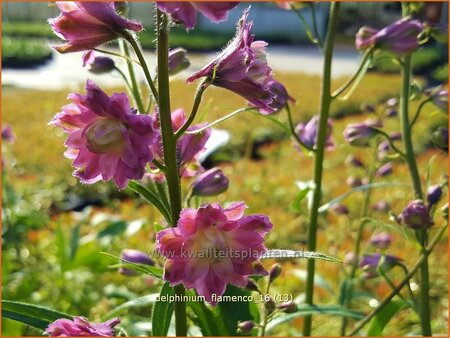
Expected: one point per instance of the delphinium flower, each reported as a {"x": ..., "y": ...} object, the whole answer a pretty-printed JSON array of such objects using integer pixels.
[
  {"x": 370, "y": 264},
  {"x": 81, "y": 327},
  {"x": 353, "y": 161},
  {"x": 212, "y": 247},
  {"x": 86, "y": 25},
  {"x": 385, "y": 170},
  {"x": 416, "y": 215},
  {"x": 189, "y": 146},
  {"x": 308, "y": 133},
  {"x": 381, "y": 240},
  {"x": 106, "y": 138},
  {"x": 97, "y": 64},
  {"x": 434, "y": 194},
  {"x": 211, "y": 183},
  {"x": 340, "y": 209},
  {"x": 7, "y": 134},
  {"x": 360, "y": 134},
  {"x": 184, "y": 12},
  {"x": 242, "y": 68},
  {"x": 400, "y": 37},
  {"x": 178, "y": 60},
  {"x": 381, "y": 206}
]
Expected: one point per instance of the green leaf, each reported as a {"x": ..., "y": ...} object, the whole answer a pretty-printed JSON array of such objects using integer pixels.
[
  {"x": 37, "y": 316},
  {"x": 306, "y": 310},
  {"x": 209, "y": 322},
  {"x": 74, "y": 241},
  {"x": 137, "y": 302},
  {"x": 328, "y": 205},
  {"x": 295, "y": 205},
  {"x": 154, "y": 271},
  {"x": 382, "y": 318},
  {"x": 289, "y": 254},
  {"x": 112, "y": 229},
  {"x": 234, "y": 312},
  {"x": 152, "y": 198},
  {"x": 62, "y": 249},
  {"x": 162, "y": 312}
]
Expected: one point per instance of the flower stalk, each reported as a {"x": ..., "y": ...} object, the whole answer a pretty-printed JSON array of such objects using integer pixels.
[{"x": 325, "y": 103}]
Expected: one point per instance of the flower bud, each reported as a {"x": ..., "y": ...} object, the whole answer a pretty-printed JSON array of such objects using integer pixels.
[
  {"x": 287, "y": 307},
  {"x": 251, "y": 285},
  {"x": 178, "y": 60},
  {"x": 434, "y": 194},
  {"x": 211, "y": 183},
  {"x": 381, "y": 206},
  {"x": 381, "y": 240},
  {"x": 440, "y": 99},
  {"x": 270, "y": 305},
  {"x": 340, "y": 209},
  {"x": 354, "y": 182},
  {"x": 416, "y": 215},
  {"x": 350, "y": 258},
  {"x": 354, "y": 161},
  {"x": 274, "y": 272},
  {"x": 246, "y": 327},
  {"x": 440, "y": 138},
  {"x": 385, "y": 170},
  {"x": 360, "y": 134},
  {"x": 281, "y": 95},
  {"x": 7, "y": 134},
  {"x": 97, "y": 64},
  {"x": 134, "y": 256},
  {"x": 370, "y": 263},
  {"x": 391, "y": 112}
]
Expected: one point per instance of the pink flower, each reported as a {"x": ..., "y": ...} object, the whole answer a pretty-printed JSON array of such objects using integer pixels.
[
  {"x": 80, "y": 327},
  {"x": 186, "y": 12},
  {"x": 308, "y": 133},
  {"x": 86, "y": 25},
  {"x": 212, "y": 247},
  {"x": 107, "y": 140},
  {"x": 189, "y": 146},
  {"x": 242, "y": 68}
]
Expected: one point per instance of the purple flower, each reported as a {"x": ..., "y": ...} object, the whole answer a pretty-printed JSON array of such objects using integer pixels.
[
  {"x": 354, "y": 161},
  {"x": 354, "y": 182},
  {"x": 246, "y": 327},
  {"x": 242, "y": 68},
  {"x": 360, "y": 134},
  {"x": 80, "y": 327},
  {"x": 340, "y": 209},
  {"x": 440, "y": 99},
  {"x": 211, "y": 183},
  {"x": 97, "y": 64},
  {"x": 370, "y": 263},
  {"x": 308, "y": 133},
  {"x": 434, "y": 194},
  {"x": 281, "y": 95},
  {"x": 287, "y": 307},
  {"x": 178, "y": 61},
  {"x": 440, "y": 138},
  {"x": 186, "y": 12},
  {"x": 7, "y": 134},
  {"x": 212, "y": 247},
  {"x": 86, "y": 25},
  {"x": 385, "y": 170},
  {"x": 134, "y": 256},
  {"x": 106, "y": 139},
  {"x": 189, "y": 146},
  {"x": 391, "y": 112},
  {"x": 381, "y": 240},
  {"x": 400, "y": 37},
  {"x": 381, "y": 206},
  {"x": 416, "y": 215}
]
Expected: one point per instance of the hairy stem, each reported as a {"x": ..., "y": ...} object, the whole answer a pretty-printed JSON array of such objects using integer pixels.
[{"x": 325, "y": 103}]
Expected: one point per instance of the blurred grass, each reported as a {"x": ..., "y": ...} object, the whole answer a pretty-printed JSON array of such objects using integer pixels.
[{"x": 33, "y": 272}]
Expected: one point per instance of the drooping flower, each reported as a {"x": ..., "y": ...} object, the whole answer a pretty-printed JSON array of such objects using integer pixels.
[
  {"x": 7, "y": 134},
  {"x": 400, "y": 37},
  {"x": 439, "y": 97},
  {"x": 434, "y": 194},
  {"x": 211, "y": 183},
  {"x": 245, "y": 327},
  {"x": 189, "y": 146},
  {"x": 97, "y": 64},
  {"x": 86, "y": 25},
  {"x": 370, "y": 264},
  {"x": 360, "y": 134},
  {"x": 186, "y": 12},
  {"x": 385, "y": 170},
  {"x": 212, "y": 247},
  {"x": 308, "y": 133},
  {"x": 354, "y": 182},
  {"x": 242, "y": 68},
  {"x": 353, "y": 161},
  {"x": 134, "y": 256},
  {"x": 340, "y": 209},
  {"x": 81, "y": 327},
  {"x": 381, "y": 240},
  {"x": 416, "y": 215},
  {"x": 106, "y": 139}
]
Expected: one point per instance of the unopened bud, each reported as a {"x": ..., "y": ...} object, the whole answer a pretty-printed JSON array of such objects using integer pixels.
[
  {"x": 178, "y": 61},
  {"x": 287, "y": 307},
  {"x": 274, "y": 272},
  {"x": 434, "y": 194},
  {"x": 246, "y": 327}
]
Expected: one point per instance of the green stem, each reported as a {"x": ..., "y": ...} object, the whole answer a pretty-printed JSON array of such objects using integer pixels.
[
  {"x": 169, "y": 148},
  {"x": 419, "y": 109},
  {"x": 347, "y": 296},
  {"x": 415, "y": 178},
  {"x": 315, "y": 28},
  {"x": 292, "y": 129},
  {"x": 404, "y": 281},
  {"x": 197, "y": 100},
  {"x": 132, "y": 41},
  {"x": 325, "y": 103},
  {"x": 134, "y": 84}
]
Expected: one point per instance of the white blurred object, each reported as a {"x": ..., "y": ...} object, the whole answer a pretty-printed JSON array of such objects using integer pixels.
[{"x": 218, "y": 139}]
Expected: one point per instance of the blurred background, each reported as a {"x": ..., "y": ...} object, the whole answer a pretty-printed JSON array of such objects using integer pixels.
[{"x": 53, "y": 228}]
